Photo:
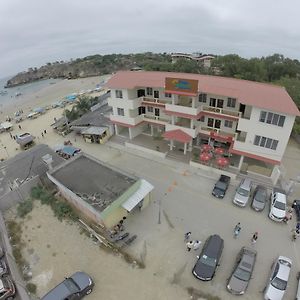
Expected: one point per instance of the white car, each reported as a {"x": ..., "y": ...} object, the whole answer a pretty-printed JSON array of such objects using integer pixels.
[
  {"x": 278, "y": 205},
  {"x": 279, "y": 278}
]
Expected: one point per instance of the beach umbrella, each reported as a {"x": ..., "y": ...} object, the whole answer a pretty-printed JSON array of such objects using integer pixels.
[
  {"x": 207, "y": 147},
  {"x": 204, "y": 156},
  {"x": 219, "y": 151},
  {"x": 222, "y": 161}
]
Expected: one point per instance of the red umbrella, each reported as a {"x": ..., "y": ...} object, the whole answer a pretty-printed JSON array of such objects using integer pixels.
[
  {"x": 222, "y": 161},
  {"x": 205, "y": 156},
  {"x": 207, "y": 148},
  {"x": 219, "y": 151}
]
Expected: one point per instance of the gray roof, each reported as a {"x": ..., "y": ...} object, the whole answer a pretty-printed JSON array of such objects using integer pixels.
[
  {"x": 94, "y": 181},
  {"x": 60, "y": 122},
  {"x": 94, "y": 130},
  {"x": 24, "y": 165}
]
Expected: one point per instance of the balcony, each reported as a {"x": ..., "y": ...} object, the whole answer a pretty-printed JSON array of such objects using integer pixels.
[
  {"x": 207, "y": 130},
  {"x": 181, "y": 109},
  {"x": 149, "y": 101},
  {"x": 221, "y": 111},
  {"x": 130, "y": 121},
  {"x": 125, "y": 103},
  {"x": 156, "y": 119},
  {"x": 241, "y": 136}
]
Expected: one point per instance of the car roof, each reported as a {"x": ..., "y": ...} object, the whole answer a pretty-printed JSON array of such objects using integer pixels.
[
  {"x": 213, "y": 245},
  {"x": 281, "y": 198},
  {"x": 248, "y": 259},
  {"x": 246, "y": 183},
  {"x": 284, "y": 270}
]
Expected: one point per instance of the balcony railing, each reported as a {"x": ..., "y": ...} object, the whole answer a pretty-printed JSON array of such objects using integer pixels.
[
  {"x": 156, "y": 118},
  {"x": 221, "y": 111},
  {"x": 155, "y": 100},
  {"x": 218, "y": 131}
]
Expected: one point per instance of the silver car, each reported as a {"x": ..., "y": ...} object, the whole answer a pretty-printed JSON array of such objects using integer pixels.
[
  {"x": 259, "y": 198},
  {"x": 241, "y": 275},
  {"x": 243, "y": 192}
]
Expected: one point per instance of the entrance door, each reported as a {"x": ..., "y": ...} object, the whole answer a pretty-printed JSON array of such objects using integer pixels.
[
  {"x": 156, "y": 94},
  {"x": 140, "y": 93},
  {"x": 156, "y": 112}
]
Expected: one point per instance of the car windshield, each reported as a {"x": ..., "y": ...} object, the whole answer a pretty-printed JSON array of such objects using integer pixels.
[
  {"x": 279, "y": 205},
  {"x": 242, "y": 274},
  {"x": 208, "y": 260},
  {"x": 71, "y": 285},
  {"x": 260, "y": 196},
  {"x": 243, "y": 192},
  {"x": 221, "y": 185},
  {"x": 279, "y": 284}
]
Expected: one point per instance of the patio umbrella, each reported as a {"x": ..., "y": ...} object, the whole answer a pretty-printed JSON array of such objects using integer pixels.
[
  {"x": 219, "y": 151},
  {"x": 205, "y": 156},
  {"x": 222, "y": 161},
  {"x": 207, "y": 147}
]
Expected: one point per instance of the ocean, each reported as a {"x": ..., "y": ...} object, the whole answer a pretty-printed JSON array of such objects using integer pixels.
[{"x": 9, "y": 94}]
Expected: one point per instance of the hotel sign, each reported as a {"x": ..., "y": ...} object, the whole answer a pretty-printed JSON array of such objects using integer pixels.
[{"x": 181, "y": 86}]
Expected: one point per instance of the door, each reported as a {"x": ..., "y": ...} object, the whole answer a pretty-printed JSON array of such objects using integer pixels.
[
  {"x": 212, "y": 102},
  {"x": 156, "y": 112},
  {"x": 156, "y": 94}
]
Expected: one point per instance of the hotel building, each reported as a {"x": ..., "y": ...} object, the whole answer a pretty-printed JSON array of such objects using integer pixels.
[{"x": 253, "y": 119}]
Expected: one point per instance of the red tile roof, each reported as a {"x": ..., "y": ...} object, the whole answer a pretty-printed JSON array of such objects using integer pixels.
[
  {"x": 261, "y": 95},
  {"x": 177, "y": 135}
]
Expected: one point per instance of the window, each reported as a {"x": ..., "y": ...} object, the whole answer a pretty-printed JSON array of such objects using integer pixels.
[
  {"x": 120, "y": 111},
  {"x": 201, "y": 119},
  {"x": 202, "y": 98},
  {"x": 149, "y": 91},
  {"x": 119, "y": 94},
  {"x": 168, "y": 95},
  {"x": 142, "y": 110},
  {"x": 231, "y": 102},
  {"x": 210, "y": 122},
  {"x": 220, "y": 103},
  {"x": 271, "y": 118},
  {"x": 212, "y": 102},
  {"x": 217, "y": 123},
  {"x": 156, "y": 112},
  {"x": 228, "y": 123},
  {"x": 150, "y": 109},
  {"x": 265, "y": 142},
  {"x": 156, "y": 94}
]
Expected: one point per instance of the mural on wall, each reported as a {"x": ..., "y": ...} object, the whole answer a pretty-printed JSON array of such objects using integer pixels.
[{"x": 181, "y": 86}]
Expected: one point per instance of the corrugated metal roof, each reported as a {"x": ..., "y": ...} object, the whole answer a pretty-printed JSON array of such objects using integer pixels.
[
  {"x": 261, "y": 95},
  {"x": 144, "y": 189},
  {"x": 94, "y": 130}
]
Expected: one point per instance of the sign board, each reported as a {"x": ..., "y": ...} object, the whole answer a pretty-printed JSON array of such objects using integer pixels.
[{"x": 181, "y": 86}]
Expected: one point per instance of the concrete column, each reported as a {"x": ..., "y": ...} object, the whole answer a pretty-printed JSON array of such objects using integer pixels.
[
  {"x": 193, "y": 102},
  {"x": 130, "y": 133},
  {"x": 191, "y": 145},
  {"x": 116, "y": 129},
  {"x": 171, "y": 145},
  {"x": 173, "y": 120},
  {"x": 241, "y": 162},
  {"x": 185, "y": 148},
  {"x": 152, "y": 132}
]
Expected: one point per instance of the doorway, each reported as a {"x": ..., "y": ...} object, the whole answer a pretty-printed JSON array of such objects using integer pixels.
[{"x": 141, "y": 93}]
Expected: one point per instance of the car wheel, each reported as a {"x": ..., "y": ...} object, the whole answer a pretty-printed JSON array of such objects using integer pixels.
[{"x": 88, "y": 291}]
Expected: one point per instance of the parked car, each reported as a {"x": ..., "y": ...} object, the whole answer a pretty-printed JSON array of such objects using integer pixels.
[
  {"x": 260, "y": 196},
  {"x": 296, "y": 207},
  {"x": 209, "y": 258},
  {"x": 277, "y": 283},
  {"x": 243, "y": 192},
  {"x": 278, "y": 205},
  {"x": 242, "y": 272},
  {"x": 74, "y": 287},
  {"x": 7, "y": 288},
  {"x": 3, "y": 267},
  {"x": 221, "y": 186},
  {"x": 298, "y": 287}
]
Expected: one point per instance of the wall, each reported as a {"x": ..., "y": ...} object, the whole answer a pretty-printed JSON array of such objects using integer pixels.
[
  {"x": 18, "y": 194},
  {"x": 114, "y": 217}
]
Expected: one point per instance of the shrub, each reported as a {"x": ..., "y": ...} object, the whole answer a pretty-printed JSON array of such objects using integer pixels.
[
  {"x": 47, "y": 198},
  {"x": 24, "y": 208},
  {"x": 31, "y": 287},
  {"x": 62, "y": 210},
  {"x": 36, "y": 192}
]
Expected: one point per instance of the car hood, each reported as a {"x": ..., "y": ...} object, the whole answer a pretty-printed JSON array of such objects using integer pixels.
[
  {"x": 218, "y": 192},
  {"x": 236, "y": 285},
  {"x": 82, "y": 280},
  {"x": 203, "y": 271},
  {"x": 258, "y": 205},
  {"x": 278, "y": 212},
  {"x": 273, "y": 293},
  {"x": 239, "y": 198}
]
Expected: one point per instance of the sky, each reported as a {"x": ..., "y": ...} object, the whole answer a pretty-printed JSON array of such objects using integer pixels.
[{"x": 34, "y": 32}]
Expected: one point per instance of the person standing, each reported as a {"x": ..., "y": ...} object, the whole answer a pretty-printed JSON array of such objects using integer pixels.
[
  {"x": 254, "y": 238},
  {"x": 190, "y": 245},
  {"x": 196, "y": 245},
  {"x": 237, "y": 230},
  {"x": 20, "y": 127},
  {"x": 187, "y": 236},
  {"x": 42, "y": 134}
]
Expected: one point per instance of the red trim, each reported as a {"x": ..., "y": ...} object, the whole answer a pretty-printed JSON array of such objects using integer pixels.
[
  {"x": 146, "y": 103},
  {"x": 175, "y": 113},
  {"x": 181, "y": 93},
  {"x": 261, "y": 158}
]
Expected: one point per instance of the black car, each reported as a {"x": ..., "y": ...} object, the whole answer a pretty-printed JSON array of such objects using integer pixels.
[
  {"x": 296, "y": 207},
  {"x": 74, "y": 287},
  {"x": 221, "y": 186},
  {"x": 209, "y": 258}
]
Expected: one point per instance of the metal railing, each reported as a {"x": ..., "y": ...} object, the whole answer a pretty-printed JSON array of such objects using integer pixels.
[{"x": 222, "y": 111}]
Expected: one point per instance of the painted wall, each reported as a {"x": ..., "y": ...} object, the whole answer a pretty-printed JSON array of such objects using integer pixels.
[{"x": 115, "y": 217}]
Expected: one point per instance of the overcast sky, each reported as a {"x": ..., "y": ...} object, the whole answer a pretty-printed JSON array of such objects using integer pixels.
[{"x": 34, "y": 32}]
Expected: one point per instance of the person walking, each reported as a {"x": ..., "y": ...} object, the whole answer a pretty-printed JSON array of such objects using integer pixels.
[
  {"x": 45, "y": 131},
  {"x": 42, "y": 134},
  {"x": 254, "y": 238},
  {"x": 187, "y": 236},
  {"x": 20, "y": 127},
  {"x": 237, "y": 230},
  {"x": 189, "y": 245},
  {"x": 196, "y": 245}
]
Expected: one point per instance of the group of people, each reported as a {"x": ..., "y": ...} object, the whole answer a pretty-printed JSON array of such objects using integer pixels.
[
  {"x": 237, "y": 229},
  {"x": 44, "y": 132},
  {"x": 191, "y": 244},
  {"x": 296, "y": 232}
]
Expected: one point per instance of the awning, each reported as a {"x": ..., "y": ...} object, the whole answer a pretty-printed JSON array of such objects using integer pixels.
[
  {"x": 94, "y": 130},
  {"x": 177, "y": 135},
  {"x": 144, "y": 189}
]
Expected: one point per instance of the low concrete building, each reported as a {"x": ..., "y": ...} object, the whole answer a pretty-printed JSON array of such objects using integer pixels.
[{"x": 101, "y": 192}]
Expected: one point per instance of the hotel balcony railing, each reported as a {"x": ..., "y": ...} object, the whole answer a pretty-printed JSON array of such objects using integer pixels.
[
  {"x": 157, "y": 118},
  {"x": 221, "y": 111},
  {"x": 155, "y": 100},
  {"x": 218, "y": 131}
]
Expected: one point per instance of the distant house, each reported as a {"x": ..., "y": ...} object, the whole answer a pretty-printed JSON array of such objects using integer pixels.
[
  {"x": 204, "y": 59},
  {"x": 101, "y": 192}
]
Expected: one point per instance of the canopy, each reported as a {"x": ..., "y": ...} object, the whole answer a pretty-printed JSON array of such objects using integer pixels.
[
  {"x": 177, "y": 135},
  {"x": 222, "y": 161},
  {"x": 207, "y": 147},
  {"x": 70, "y": 150},
  {"x": 144, "y": 189},
  {"x": 94, "y": 130},
  {"x": 205, "y": 156},
  {"x": 219, "y": 151}
]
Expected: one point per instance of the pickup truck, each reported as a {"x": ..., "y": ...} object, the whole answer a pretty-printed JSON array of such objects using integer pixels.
[{"x": 221, "y": 186}]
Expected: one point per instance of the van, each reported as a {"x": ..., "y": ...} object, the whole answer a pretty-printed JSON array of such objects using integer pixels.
[{"x": 243, "y": 191}]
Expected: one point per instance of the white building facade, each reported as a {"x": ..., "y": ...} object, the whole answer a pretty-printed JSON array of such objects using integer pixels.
[{"x": 254, "y": 119}]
